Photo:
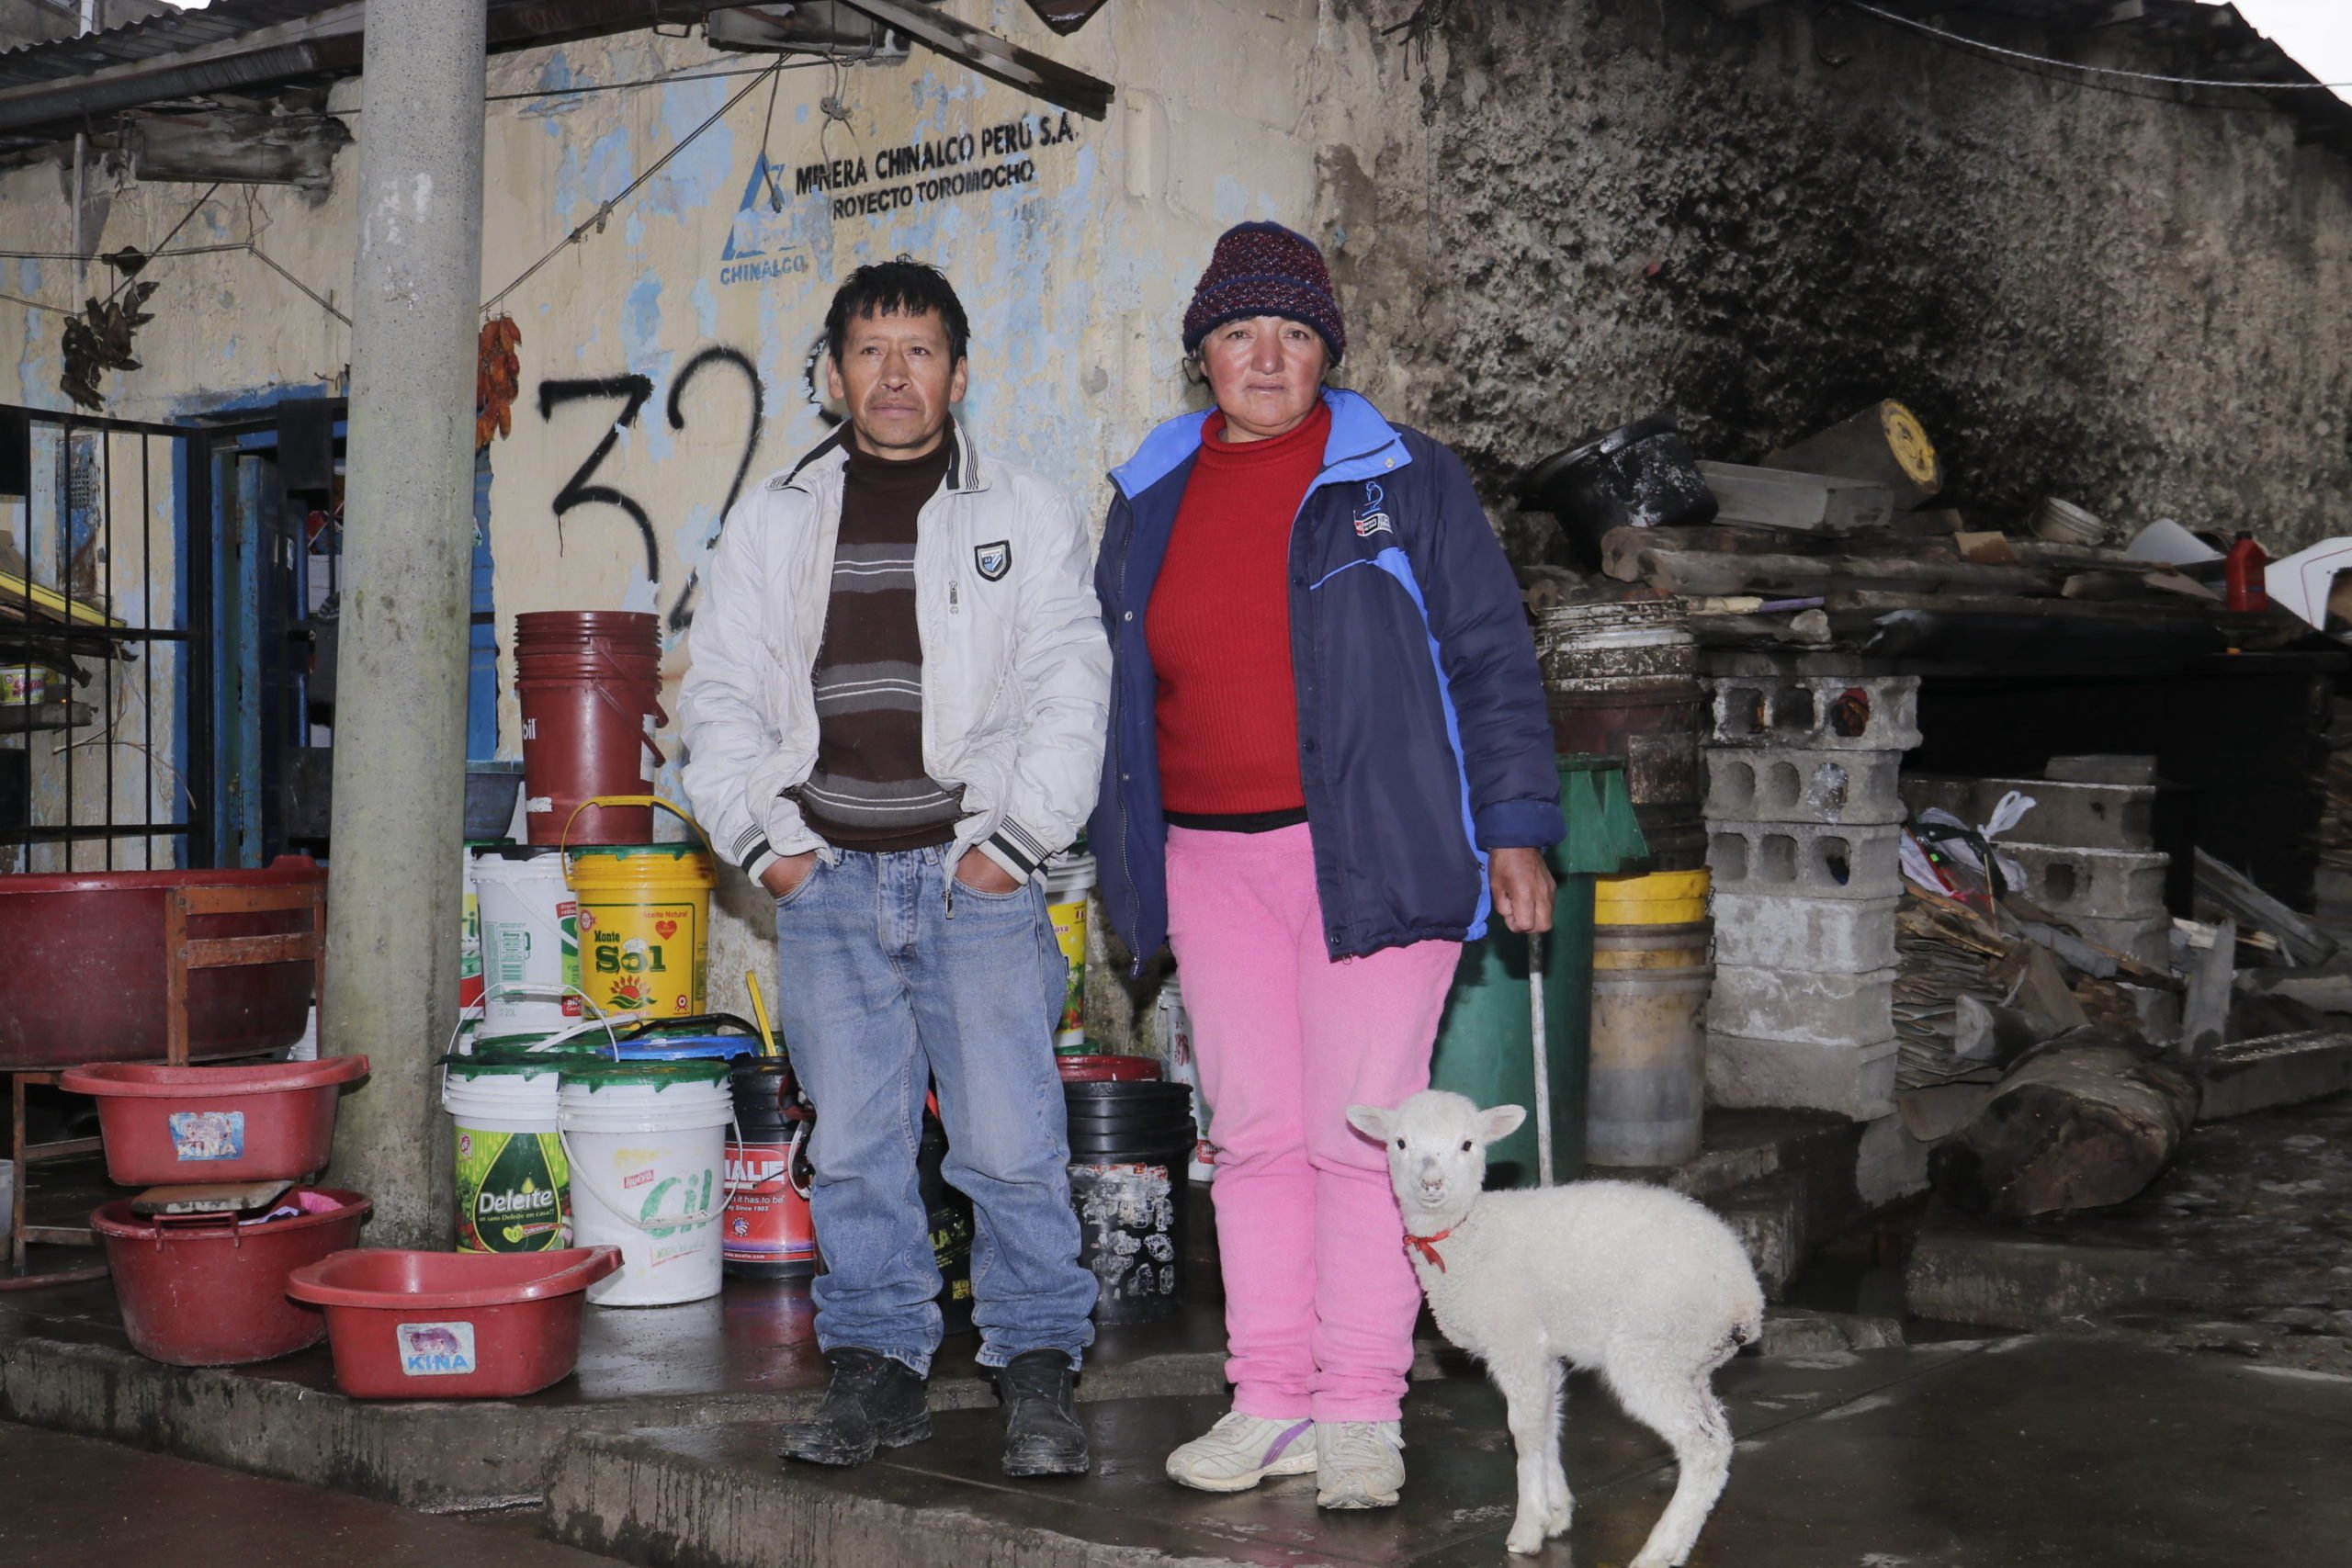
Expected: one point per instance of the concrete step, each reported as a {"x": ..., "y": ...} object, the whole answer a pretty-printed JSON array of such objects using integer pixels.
[{"x": 1783, "y": 1180}]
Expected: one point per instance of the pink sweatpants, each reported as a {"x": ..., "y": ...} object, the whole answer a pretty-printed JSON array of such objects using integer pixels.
[{"x": 1320, "y": 1297}]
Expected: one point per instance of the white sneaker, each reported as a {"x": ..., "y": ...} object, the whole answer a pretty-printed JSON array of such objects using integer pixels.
[
  {"x": 1358, "y": 1464},
  {"x": 1241, "y": 1450}
]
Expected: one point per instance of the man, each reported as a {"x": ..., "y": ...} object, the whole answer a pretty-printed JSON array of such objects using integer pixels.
[{"x": 895, "y": 711}]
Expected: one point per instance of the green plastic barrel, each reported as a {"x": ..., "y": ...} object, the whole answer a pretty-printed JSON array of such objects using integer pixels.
[{"x": 1483, "y": 1049}]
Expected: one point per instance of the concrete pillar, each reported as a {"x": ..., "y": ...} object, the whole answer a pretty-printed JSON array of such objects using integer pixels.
[{"x": 400, "y": 735}]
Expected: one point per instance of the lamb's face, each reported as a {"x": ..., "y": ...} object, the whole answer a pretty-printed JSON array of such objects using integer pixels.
[{"x": 1437, "y": 1147}]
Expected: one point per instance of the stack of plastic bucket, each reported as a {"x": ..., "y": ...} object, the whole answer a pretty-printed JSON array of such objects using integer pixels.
[
  {"x": 1130, "y": 1141},
  {"x": 201, "y": 1289},
  {"x": 1651, "y": 971},
  {"x": 646, "y": 1142},
  {"x": 590, "y": 684}
]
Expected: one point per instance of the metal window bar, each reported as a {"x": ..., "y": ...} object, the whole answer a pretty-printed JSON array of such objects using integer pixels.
[{"x": 72, "y": 547}]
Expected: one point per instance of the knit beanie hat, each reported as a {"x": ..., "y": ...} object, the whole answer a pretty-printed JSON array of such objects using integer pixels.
[{"x": 1265, "y": 269}]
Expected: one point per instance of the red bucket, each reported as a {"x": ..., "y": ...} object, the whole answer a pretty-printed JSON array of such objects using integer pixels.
[
  {"x": 590, "y": 684},
  {"x": 453, "y": 1324},
  {"x": 174, "y": 1126},
  {"x": 210, "y": 1291}
]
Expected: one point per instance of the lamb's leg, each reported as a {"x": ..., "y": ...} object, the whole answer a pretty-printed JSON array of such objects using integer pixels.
[
  {"x": 1559, "y": 1505},
  {"x": 1525, "y": 1379},
  {"x": 1675, "y": 1401}
]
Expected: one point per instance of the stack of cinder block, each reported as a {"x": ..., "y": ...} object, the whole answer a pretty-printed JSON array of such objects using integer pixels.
[
  {"x": 2087, "y": 848},
  {"x": 1803, "y": 843}
]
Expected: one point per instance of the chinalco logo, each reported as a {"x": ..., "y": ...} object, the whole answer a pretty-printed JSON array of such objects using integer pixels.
[{"x": 760, "y": 243}]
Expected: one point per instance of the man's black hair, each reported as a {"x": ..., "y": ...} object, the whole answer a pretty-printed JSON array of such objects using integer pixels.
[{"x": 903, "y": 287}]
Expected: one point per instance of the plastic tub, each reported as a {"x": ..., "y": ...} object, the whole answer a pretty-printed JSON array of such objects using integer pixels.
[
  {"x": 452, "y": 1326},
  {"x": 212, "y": 1293},
  {"x": 171, "y": 1126},
  {"x": 1106, "y": 1069}
]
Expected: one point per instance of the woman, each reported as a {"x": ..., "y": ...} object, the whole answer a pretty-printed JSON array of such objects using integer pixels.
[{"x": 1328, "y": 761}]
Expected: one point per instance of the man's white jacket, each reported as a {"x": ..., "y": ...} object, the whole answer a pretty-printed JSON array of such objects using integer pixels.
[{"x": 1016, "y": 670}]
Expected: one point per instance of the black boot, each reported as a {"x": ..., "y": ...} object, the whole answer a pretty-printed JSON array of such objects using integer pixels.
[
  {"x": 873, "y": 1401},
  {"x": 1042, "y": 1435}
]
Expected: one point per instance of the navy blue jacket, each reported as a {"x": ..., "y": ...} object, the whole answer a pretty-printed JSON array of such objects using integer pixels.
[{"x": 1422, "y": 737}]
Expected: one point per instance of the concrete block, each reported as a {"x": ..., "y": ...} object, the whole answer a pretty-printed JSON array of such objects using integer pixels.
[
  {"x": 2102, "y": 768},
  {"x": 1789, "y": 1004},
  {"x": 1829, "y": 936},
  {"x": 1748, "y": 783},
  {"x": 2080, "y": 816},
  {"x": 1964, "y": 1272},
  {"x": 1854, "y": 1081},
  {"x": 1807, "y": 859},
  {"x": 2278, "y": 1069},
  {"x": 2108, "y": 884},
  {"x": 2159, "y": 1012},
  {"x": 1826, "y": 712},
  {"x": 2147, "y": 940}
]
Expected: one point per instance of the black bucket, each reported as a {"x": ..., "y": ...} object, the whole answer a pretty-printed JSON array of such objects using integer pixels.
[
  {"x": 949, "y": 1214},
  {"x": 765, "y": 1233},
  {"x": 1638, "y": 475},
  {"x": 1129, "y": 1146}
]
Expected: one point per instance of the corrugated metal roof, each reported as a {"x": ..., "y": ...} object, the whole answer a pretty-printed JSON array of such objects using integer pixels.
[{"x": 147, "y": 39}]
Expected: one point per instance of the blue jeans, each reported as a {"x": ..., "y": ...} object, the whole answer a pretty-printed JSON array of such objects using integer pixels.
[{"x": 884, "y": 988}]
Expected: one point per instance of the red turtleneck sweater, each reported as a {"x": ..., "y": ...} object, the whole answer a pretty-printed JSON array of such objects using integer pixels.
[{"x": 1219, "y": 626}]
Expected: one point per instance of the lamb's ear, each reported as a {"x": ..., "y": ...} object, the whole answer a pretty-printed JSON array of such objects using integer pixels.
[
  {"x": 1373, "y": 1122},
  {"x": 1499, "y": 1123}
]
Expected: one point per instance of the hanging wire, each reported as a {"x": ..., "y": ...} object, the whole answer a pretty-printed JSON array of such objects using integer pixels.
[
  {"x": 1964, "y": 40},
  {"x": 596, "y": 221}
]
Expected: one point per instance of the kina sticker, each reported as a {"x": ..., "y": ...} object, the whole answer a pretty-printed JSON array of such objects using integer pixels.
[
  {"x": 207, "y": 1134},
  {"x": 434, "y": 1350}
]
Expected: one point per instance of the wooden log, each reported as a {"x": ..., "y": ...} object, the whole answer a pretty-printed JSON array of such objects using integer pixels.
[
  {"x": 1883, "y": 444},
  {"x": 2083, "y": 1122},
  {"x": 1772, "y": 498},
  {"x": 1692, "y": 572}
]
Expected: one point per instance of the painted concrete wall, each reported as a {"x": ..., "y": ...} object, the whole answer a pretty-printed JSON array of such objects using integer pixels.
[
  {"x": 1550, "y": 219},
  {"x": 1598, "y": 210}
]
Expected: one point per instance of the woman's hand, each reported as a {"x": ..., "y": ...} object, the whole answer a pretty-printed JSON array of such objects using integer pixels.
[{"x": 1523, "y": 888}]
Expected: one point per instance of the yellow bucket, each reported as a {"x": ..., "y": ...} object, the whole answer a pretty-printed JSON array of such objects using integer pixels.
[
  {"x": 644, "y": 921},
  {"x": 1661, "y": 898}
]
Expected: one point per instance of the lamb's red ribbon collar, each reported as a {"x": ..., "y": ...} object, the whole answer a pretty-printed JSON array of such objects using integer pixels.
[{"x": 1426, "y": 1246}]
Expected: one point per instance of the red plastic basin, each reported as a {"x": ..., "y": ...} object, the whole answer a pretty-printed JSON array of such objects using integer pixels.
[
  {"x": 172, "y": 1127},
  {"x": 410, "y": 1325},
  {"x": 89, "y": 949},
  {"x": 212, "y": 1294}
]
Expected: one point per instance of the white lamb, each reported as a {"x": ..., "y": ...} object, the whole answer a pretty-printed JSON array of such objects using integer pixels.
[{"x": 1637, "y": 1283}]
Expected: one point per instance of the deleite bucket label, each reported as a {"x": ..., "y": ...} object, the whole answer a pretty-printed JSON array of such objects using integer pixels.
[
  {"x": 640, "y": 956},
  {"x": 207, "y": 1134},
  {"x": 434, "y": 1350},
  {"x": 514, "y": 1191}
]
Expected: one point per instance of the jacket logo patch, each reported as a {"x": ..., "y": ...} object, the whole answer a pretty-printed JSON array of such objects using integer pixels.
[
  {"x": 993, "y": 560},
  {"x": 1370, "y": 518}
]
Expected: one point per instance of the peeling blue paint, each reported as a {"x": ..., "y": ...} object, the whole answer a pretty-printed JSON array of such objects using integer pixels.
[
  {"x": 641, "y": 351},
  {"x": 1232, "y": 199},
  {"x": 557, "y": 78},
  {"x": 698, "y": 177},
  {"x": 586, "y": 178},
  {"x": 705, "y": 310}
]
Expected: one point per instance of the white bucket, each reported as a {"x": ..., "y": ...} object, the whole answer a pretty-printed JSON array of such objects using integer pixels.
[
  {"x": 1181, "y": 1062},
  {"x": 513, "y": 1180},
  {"x": 531, "y": 943},
  {"x": 1069, "y": 885},
  {"x": 647, "y": 1145}
]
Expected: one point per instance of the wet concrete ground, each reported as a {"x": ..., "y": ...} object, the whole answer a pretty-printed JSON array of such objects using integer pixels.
[
  {"x": 74, "y": 1503},
  {"x": 2000, "y": 1454}
]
